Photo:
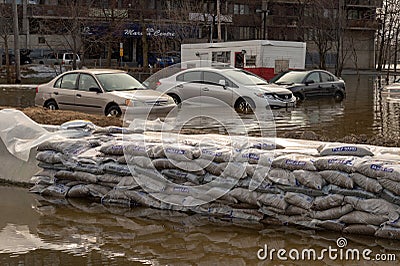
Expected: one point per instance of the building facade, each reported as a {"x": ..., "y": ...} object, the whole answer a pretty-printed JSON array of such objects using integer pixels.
[{"x": 336, "y": 31}]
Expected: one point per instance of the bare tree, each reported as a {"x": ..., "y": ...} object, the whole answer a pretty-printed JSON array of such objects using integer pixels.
[{"x": 6, "y": 25}]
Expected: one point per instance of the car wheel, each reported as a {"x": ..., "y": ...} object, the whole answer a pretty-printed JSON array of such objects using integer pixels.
[
  {"x": 113, "y": 110},
  {"x": 176, "y": 98},
  {"x": 244, "y": 106},
  {"x": 51, "y": 105},
  {"x": 338, "y": 96}
]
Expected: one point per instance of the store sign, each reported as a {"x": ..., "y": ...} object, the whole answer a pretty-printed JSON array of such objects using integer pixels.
[{"x": 151, "y": 32}]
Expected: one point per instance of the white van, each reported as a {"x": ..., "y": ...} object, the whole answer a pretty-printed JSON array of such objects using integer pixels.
[{"x": 60, "y": 58}]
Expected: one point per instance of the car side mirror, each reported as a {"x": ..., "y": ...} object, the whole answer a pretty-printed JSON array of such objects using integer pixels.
[
  {"x": 308, "y": 82},
  {"x": 95, "y": 89},
  {"x": 222, "y": 82}
]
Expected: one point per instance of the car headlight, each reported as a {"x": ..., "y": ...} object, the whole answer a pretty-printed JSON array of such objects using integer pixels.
[{"x": 269, "y": 96}]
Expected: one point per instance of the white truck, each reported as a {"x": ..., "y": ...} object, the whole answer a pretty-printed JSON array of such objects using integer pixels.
[{"x": 265, "y": 58}]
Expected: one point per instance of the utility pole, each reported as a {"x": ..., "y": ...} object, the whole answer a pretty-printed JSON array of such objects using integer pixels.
[
  {"x": 219, "y": 20},
  {"x": 16, "y": 44}
]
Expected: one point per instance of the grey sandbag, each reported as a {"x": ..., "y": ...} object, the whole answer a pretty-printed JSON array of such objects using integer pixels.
[
  {"x": 361, "y": 229},
  {"x": 282, "y": 177},
  {"x": 177, "y": 174},
  {"x": 344, "y": 149},
  {"x": 234, "y": 170},
  {"x": 77, "y": 176},
  {"x": 97, "y": 190},
  {"x": 361, "y": 217},
  {"x": 309, "y": 179},
  {"x": 299, "y": 200},
  {"x": 333, "y": 225},
  {"x": 327, "y": 202},
  {"x": 267, "y": 209},
  {"x": 50, "y": 157},
  {"x": 387, "y": 231},
  {"x": 178, "y": 152},
  {"x": 294, "y": 162},
  {"x": 295, "y": 210},
  {"x": 389, "y": 196},
  {"x": 375, "y": 206},
  {"x": 303, "y": 190},
  {"x": 127, "y": 182},
  {"x": 367, "y": 183},
  {"x": 273, "y": 200},
  {"x": 56, "y": 190},
  {"x": 332, "y": 213},
  {"x": 109, "y": 178},
  {"x": 216, "y": 154},
  {"x": 390, "y": 185},
  {"x": 68, "y": 146},
  {"x": 244, "y": 195},
  {"x": 377, "y": 169},
  {"x": 255, "y": 156},
  {"x": 339, "y": 163},
  {"x": 338, "y": 178},
  {"x": 264, "y": 145},
  {"x": 78, "y": 191},
  {"x": 115, "y": 168}
]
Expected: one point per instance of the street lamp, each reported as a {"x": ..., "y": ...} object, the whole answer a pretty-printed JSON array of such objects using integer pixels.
[{"x": 265, "y": 13}]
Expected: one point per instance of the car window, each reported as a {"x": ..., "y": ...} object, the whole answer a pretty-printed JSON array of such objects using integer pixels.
[
  {"x": 313, "y": 77},
  {"x": 245, "y": 78},
  {"x": 86, "y": 82},
  {"x": 119, "y": 82},
  {"x": 325, "y": 77},
  {"x": 192, "y": 76},
  {"x": 213, "y": 78},
  {"x": 68, "y": 81}
]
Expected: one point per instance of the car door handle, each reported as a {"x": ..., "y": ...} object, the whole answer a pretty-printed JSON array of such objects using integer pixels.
[
  {"x": 78, "y": 95},
  {"x": 180, "y": 86},
  {"x": 205, "y": 89},
  {"x": 56, "y": 93}
]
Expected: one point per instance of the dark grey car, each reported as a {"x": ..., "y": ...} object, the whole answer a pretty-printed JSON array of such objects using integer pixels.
[{"x": 312, "y": 83}]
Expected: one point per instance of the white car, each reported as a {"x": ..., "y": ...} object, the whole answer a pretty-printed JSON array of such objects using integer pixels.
[
  {"x": 101, "y": 91},
  {"x": 236, "y": 87}
]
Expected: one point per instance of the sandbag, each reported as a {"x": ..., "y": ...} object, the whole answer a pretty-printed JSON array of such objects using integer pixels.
[
  {"x": 294, "y": 162},
  {"x": 367, "y": 183},
  {"x": 390, "y": 197},
  {"x": 389, "y": 232},
  {"x": 299, "y": 200},
  {"x": 355, "y": 192},
  {"x": 332, "y": 213},
  {"x": 273, "y": 200},
  {"x": 78, "y": 191},
  {"x": 361, "y": 217},
  {"x": 361, "y": 229},
  {"x": 309, "y": 179},
  {"x": 332, "y": 225},
  {"x": 339, "y": 163},
  {"x": 327, "y": 202},
  {"x": 390, "y": 185},
  {"x": 282, "y": 177},
  {"x": 374, "y": 206},
  {"x": 294, "y": 210},
  {"x": 55, "y": 190},
  {"x": 338, "y": 178},
  {"x": 377, "y": 169},
  {"x": 216, "y": 154},
  {"x": 50, "y": 157},
  {"x": 344, "y": 149},
  {"x": 244, "y": 195}
]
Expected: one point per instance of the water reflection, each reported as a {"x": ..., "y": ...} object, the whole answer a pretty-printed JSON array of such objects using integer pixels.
[{"x": 66, "y": 232}]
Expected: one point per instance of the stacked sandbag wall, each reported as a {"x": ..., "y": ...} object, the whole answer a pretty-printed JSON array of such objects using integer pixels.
[{"x": 334, "y": 186}]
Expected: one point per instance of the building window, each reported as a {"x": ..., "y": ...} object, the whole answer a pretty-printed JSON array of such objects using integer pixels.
[
  {"x": 222, "y": 57},
  {"x": 251, "y": 60},
  {"x": 41, "y": 40},
  {"x": 241, "y": 9}
]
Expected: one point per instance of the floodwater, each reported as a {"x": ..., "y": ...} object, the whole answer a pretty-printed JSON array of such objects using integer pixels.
[{"x": 39, "y": 231}]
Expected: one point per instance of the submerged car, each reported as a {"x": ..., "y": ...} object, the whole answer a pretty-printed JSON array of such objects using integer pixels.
[
  {"x": 236, "y": 87},
  {"x": 312, "y": 83},
  {"x": 101, "y": 91}
]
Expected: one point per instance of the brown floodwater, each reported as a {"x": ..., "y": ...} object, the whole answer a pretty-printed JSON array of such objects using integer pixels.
[{"x": 39, "y": 231}]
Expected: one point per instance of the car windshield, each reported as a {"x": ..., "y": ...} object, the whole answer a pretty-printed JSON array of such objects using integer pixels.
[
  {"x": 119, "y": 82},
  {"x": 291, "y": 78},
  {"x": 245, "y": 78}
]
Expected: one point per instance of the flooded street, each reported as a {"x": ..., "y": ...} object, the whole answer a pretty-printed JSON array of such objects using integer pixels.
[
  {"x": 35, "y": 231},
  {"x": 44, "y": 231}
]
